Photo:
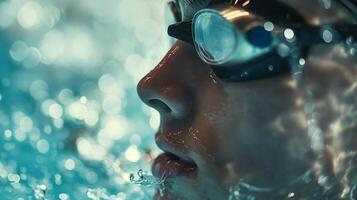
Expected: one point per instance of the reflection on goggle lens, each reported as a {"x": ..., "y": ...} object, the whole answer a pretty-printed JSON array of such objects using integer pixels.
[
  {"x": 215, "y": 38},
  {"x": 219, "y": 42}
]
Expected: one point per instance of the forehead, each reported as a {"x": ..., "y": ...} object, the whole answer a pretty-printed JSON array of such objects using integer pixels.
[{"x": 314, "y": 11}]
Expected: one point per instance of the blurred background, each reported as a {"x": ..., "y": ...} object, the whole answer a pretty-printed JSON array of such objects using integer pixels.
[{"x": 71, "y": 123}]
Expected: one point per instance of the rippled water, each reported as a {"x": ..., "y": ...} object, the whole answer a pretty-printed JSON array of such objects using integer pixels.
[{"x": 71, "y": 124}]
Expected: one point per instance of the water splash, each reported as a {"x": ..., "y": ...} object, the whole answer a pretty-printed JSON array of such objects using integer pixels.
[
  {"x": 148, "y": 180},
  {"x": 245, "y": 191}
]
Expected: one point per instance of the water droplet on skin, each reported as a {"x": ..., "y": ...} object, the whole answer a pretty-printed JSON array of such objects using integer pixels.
[
  {"x": 212, "y": 78},
  {"x": 169, "y": 55},
  {"x": 176, "y": 133},
  {"x": 193, "y": 133},
  {"x": 147, "y": 79}
]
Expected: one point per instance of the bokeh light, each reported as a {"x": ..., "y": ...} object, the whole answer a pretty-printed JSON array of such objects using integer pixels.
[{"x": 71, "y": 123}]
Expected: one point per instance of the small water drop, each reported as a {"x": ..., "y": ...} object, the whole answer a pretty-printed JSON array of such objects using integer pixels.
[
  {"x": 291, "y": 195},
  {"x": 302, "y": 61},
  {"x": 271, "y": 68},
  {"x": 289, "y": 34},
  {"x": 212, "y": 78},
  {"x": 268, "y": 26},
  {"x": 244, "y": 74},
  {"x": 327, "y": 36}
]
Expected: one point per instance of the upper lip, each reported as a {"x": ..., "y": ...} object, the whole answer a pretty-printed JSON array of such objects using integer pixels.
[{"x": 173, "y": 144}]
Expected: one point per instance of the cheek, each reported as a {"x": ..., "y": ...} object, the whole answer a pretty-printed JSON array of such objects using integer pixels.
[
  {"x": 259, "y": 107},
  {"x": 244, "y": 118}
]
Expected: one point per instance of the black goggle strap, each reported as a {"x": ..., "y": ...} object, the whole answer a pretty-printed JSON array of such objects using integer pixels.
[
  {"x": 266, "y": 66},
  {"x": 308, "y": 35}
]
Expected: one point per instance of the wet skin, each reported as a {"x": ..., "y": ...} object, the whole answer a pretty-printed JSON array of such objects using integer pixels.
[{"x": 252, "y": 131}]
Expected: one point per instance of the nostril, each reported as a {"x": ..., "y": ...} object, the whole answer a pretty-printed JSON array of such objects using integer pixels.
[{"x": 159, "y": 105}]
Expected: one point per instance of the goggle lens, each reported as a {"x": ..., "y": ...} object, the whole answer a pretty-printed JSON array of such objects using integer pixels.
[
  {"x": 214, "y": 37},
  {"x": 219, "y": 42}
]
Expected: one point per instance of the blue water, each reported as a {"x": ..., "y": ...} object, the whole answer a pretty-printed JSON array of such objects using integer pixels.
[{"x": 71, "y": 124}]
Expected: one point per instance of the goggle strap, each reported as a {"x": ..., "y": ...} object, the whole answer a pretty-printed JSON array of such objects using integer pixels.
[
  {"x": 313, "y": 35},
  {"x": 267, "y": 66}
]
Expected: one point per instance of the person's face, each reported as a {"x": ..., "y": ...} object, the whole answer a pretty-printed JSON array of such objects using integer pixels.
[{"x": 216, "y": 133}]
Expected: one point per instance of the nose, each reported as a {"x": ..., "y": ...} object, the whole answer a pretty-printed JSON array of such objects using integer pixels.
[
  {"x": 169, "y": 99},
  {"x": 165, "y": 88}
]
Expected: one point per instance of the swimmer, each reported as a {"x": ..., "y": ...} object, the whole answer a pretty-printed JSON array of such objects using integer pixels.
[{"x": 258, "y": 100}]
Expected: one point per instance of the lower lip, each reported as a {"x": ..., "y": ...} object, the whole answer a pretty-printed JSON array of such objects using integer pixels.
[{"x": 167, "y": 165}]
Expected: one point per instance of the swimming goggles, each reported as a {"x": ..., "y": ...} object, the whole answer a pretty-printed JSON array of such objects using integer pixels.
[{"x": 241, "y": 45}]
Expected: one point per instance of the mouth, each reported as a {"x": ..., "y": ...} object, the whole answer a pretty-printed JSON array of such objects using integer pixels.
[{"x": 169, "y": 165}]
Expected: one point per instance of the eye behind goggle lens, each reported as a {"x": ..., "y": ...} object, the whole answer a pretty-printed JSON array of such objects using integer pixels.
[
  {"x": 214, "y": 37},
  {"x": 259, "y": 37}
]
